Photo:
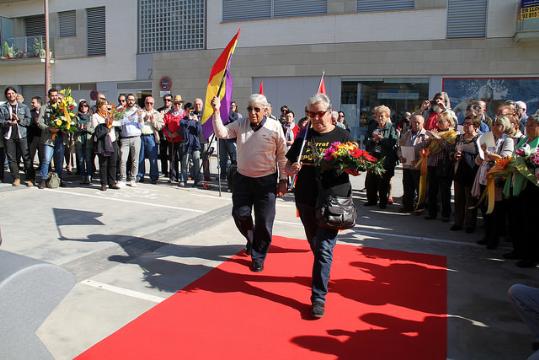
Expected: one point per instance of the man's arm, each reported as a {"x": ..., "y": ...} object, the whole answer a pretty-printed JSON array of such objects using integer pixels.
[
  {"x": 220, "y": 130},
  {"x": 41, "y": 119}
]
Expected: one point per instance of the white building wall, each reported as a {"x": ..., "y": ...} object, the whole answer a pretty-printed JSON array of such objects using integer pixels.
[
  {"x": 383, "y": 26},
  {"x": 119, "y": 64},
  {"x": 499, "y": 12}
]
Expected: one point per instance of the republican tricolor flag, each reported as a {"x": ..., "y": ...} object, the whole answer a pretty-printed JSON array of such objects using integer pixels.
[{"x": 220, "y": 81}]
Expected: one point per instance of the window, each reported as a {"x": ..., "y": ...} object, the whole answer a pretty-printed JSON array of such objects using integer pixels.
[
  {"x": 466, "y": 19},
  {"x": 385, "y": 5},
  {"x": 234, "y": 10},
  {"x": 67, "y": 23},
  {"x": 34, "y": 25},
  {"x": 96, "y": 34},
  {"x": 170, "y": 25}
]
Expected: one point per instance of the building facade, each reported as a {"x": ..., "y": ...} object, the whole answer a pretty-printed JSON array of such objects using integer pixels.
[{"x": 392, "y": 52}]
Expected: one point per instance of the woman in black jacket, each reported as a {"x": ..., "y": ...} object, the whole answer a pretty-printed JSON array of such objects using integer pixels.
[
  {"x": 308, "y": 184},
  {"x": 381, "y": 143}
]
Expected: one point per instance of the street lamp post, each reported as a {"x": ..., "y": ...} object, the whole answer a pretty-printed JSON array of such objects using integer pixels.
[{"x": 47, "y": 49}]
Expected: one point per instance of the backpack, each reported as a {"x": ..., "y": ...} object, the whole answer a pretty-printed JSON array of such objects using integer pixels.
[{"x": 53, "y": 180}]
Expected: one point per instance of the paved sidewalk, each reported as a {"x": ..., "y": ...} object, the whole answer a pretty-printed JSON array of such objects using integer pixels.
[{"x": 132, "y": 248}]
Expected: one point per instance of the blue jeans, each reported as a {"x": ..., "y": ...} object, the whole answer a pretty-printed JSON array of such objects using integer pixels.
[
  {"x": 48, "y": 152},
  {"x": 526, "y": 301},
  {"x": 227, "y": 149},
  {"x": 322, "y": 242},
  {"x": 84, "y": 151},
  {"x": 259, "y": 193},
  {"x": 148, "y": 149},
  {"x": 195, "y": 157}
]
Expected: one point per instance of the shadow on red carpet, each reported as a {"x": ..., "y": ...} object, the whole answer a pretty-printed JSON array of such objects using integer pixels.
[{"x": 382, "y": 304}]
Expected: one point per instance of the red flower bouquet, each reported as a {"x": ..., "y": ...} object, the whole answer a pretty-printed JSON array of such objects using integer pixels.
[{"x": 349, "y": 158}]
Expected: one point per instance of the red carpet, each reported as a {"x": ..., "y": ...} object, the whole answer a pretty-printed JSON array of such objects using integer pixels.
[{"x": 382, "y": 305}]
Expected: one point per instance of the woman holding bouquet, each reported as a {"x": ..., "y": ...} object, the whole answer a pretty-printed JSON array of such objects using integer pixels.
[
  {"x": 309, "y": 180},
  {"x": 106, "y": 144}
]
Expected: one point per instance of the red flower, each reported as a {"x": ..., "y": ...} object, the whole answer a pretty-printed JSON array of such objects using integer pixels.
[
  {"x": 71, "y": 107},
  {"x": 356, "y": 153},
  {"x": 369, "y": 157}
]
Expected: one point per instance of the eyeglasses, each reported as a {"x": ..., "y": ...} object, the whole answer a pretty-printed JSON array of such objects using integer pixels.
[
  {"x": 149, "y": 103},
  {"x": 122, "y": 100},
  {"x": 256, "y": 109},
  {"x": 314, "y": 114},
  {"x": 168, "y": 100}
]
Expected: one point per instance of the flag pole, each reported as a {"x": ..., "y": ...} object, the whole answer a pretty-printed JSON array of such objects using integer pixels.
[{"x": 213, "y": 136}]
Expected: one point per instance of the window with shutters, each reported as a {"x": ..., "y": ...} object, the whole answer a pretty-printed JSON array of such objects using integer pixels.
[
  {"x": 96, "y": 31},
  {"x": 385, "y": 5},
  {"x": 67, "y": 23},
  {"x": 234, "y": 10},
  {"x": 171, "y": 25},
  {"x": 34, "y": 25},
  {"x": 466, "y": 19}
]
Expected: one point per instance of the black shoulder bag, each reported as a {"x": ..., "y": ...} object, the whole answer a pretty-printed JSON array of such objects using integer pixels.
[{"x": 332, "y": 211}]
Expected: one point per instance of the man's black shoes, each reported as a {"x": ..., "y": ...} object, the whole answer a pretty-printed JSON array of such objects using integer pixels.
[
  {"x": 318, "y": 309},
  {"x": 256, "y": 266}
]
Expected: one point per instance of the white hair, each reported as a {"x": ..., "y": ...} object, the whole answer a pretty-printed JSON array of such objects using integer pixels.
[
  {"x": 259, "y": 99},
  {"x": 521, "y": 105},
  {"x": 334, "y": 115},
  {"x": 319, "y": 98}
]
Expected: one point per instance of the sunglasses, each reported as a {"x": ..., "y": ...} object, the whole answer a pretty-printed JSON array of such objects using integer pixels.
[
  {"x": 123, "y": 100},
  {"x": 168, "y": 100},
  {"x": 314, "y": 114},
  {"x": 256, "y": 109}
]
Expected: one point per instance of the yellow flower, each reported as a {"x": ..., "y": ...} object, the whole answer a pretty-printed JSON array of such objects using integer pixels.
[{"x": 58, "y": 122}]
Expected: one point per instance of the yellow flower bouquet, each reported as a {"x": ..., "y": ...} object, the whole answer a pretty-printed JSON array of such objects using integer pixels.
[{"x": 64, "y": 113}]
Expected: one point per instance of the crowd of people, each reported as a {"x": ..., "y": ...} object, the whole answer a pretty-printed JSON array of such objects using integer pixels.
[
  {"x": 123, "y": 136},
  {"x": 261, "y": 154},
  {"x": 436, "y": 153}
]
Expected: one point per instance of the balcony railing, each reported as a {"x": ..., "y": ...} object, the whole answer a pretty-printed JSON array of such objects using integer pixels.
[{"x": 24, "y": 47}]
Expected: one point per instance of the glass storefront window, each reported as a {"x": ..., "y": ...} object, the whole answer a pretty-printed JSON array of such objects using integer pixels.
[{"x": 358, "y": 99}]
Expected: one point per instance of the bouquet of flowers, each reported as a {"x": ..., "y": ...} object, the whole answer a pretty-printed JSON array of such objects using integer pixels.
[
  {"x": 349, "y": 158},
  {"x": 117, "y": 113},
  {"x": 523, "y": 166},
  {"x": 64, "y": 112},
  {"x": 516, "y": 171}
]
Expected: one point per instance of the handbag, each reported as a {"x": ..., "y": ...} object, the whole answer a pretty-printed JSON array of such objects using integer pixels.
[{"x": 335, "y": 212}]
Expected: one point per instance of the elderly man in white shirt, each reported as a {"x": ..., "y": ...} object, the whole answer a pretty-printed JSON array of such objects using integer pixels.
[{"x": 261, "y": 160}]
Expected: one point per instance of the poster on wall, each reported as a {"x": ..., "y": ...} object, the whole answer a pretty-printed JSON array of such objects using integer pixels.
[
  {"x": 493, "y": 91},
  {"x": 529, "y": 9}
]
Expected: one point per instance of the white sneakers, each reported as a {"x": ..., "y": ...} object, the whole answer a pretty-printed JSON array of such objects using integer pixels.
[
  {"x": 121, "y": 184},
  {"x": 132, "y": 183}
]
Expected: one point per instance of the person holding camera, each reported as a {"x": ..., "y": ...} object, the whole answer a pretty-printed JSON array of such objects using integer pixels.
[
  {"x": 431, "y": 109},
  {"x": 15, "y": 118}
]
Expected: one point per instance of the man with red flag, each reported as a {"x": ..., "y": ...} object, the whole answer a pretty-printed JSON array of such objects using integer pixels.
[{"x": 261, "y": 149}]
